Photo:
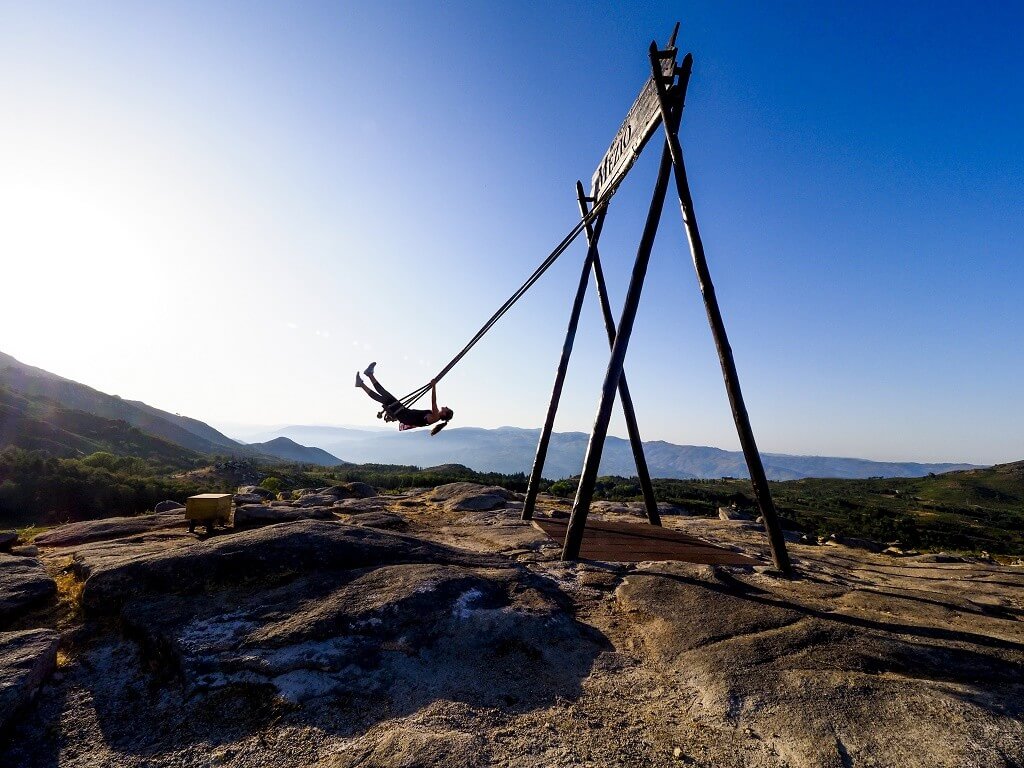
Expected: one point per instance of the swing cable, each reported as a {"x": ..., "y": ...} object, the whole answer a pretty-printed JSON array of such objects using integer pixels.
[{"x": 581, "y": 225}]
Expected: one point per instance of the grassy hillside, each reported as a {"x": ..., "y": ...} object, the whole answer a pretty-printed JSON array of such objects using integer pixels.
[
  {"x": 33, "y": 383},
  {"x": 34, "y": 422}
]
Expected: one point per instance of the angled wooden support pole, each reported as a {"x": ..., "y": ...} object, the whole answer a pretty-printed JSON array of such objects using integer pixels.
[
  {"x": 671, "y": 103},
  {"x": 533, "y": 488},
  {"x": 585, "y": 491},
  {"x": 636, "y": 443}
]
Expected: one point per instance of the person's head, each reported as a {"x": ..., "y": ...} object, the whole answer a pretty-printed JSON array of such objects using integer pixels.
[{"x": 447, "y": 414}]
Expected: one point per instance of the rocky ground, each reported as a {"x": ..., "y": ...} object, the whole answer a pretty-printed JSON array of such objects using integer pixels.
[{"x": 434, "y": 628}]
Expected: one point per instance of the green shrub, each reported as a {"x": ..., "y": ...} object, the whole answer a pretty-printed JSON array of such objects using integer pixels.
[{"x": 272, "y": 484}]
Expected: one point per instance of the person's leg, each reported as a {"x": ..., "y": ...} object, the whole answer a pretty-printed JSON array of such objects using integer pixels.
[
  {"x": 370, "y": 392},
  {"x": 383, "y": 392}
]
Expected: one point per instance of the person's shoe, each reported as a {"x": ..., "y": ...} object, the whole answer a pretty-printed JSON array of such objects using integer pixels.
[
  {"x": 369, "y": 368},
  {"x": 359, "y": 381}
]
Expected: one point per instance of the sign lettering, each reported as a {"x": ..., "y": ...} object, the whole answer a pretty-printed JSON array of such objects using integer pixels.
[{"x": 640, "y": 123}]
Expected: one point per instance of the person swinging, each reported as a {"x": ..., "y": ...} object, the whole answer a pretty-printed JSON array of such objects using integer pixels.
[{"x": 407, "y": 418}]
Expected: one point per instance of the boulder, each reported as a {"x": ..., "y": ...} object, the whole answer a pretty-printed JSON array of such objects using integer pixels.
[
  {"x": 349, "y": 491},
  {"x": 168, "y": 506},
  {"x": 7, "y": 540},
  {"x": 269, "y": 552},
  {"x": 337, "y": 491},
  {"x": 97, "y": 555},
  {"x": 471, "y": 497},
  {"x": 636, "y": 508},
  {"x": 249, "y": 490},
  {"x": 109, "y": 528},
  {"x": 25, "y": 550},
  {"x": 24, "y": 583},
  {"x": 374, "y": 504},
  {"x": 250, "y": 515},
  {"x": 26, "y": 659},
  {"x": 248, "y": 498},
  {"x": 362, "y": 490},
  {"x": 384, "y": 520},
  {"x": 315, "y": 500}
]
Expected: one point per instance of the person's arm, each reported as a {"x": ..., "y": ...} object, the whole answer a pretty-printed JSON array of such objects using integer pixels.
[{"x": 433, "y": 399}]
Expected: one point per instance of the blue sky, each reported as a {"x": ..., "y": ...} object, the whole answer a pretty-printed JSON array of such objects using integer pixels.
[{"x": 225, "y": 210}]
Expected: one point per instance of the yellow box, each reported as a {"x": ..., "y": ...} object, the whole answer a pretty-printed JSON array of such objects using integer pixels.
[{"x": 209, "y": 508}]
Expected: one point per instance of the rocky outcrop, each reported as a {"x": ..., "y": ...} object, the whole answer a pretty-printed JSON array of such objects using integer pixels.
[
  {"x": 251, "y": 515},
  {"x": 25, "y": 550},
  {"x": 374, "y": 504},
  {"x": 413, "y": 631},
  {"x": 247, "y": 498},
  {"x": 384, "y": 520},
  {"x": 343, "y": 643},
  {"x": 24, "y": 583},
  {"x": 168, "y": 506},
  {"x": 109, "y": 528},
  {"x": 635, "y": 508},
  {"x": 7, "y": 540},
  {"x": 349, "y": 491},
  {"x": 26, "y": 659},
  {"x": 822, "y": 683},
  {"x": 256, "y": 490},
  {"x": 470, "y": 497},
  {"x": 272, "y": 551},
  {"x": 315, "y": 500}
]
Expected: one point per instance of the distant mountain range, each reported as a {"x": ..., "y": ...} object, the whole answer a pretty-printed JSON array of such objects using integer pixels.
[
  {"x": 40, "y": 410},
  {"x": 510, "y": 450}
]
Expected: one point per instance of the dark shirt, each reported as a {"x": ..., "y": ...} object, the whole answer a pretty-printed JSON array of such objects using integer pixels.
[{"x": 411, "y": 418}]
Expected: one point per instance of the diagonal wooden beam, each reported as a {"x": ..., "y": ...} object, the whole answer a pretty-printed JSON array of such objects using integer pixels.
[
  {"x": 635, "y": 441},
  {"x": 672, "y": 103},
  {"x": 533, "y": 488}
]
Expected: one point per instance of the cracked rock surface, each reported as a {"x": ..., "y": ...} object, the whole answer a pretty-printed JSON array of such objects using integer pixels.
[
  {"x": 437, "y": 629},
  {"x": 24, "y": 583}
]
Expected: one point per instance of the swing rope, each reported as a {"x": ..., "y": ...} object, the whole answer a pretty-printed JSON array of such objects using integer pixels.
[{"x": 559, "y": 249}]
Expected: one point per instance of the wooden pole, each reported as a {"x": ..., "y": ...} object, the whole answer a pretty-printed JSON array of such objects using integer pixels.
[
  {"x": 671, "y": 103},
  {"x": 533, "y": 488},
  {"x": 636, "y": 443},
  {"x": 585, "y": 491}
]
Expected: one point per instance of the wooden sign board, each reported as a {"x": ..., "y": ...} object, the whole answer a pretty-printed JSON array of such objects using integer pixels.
[{"x": 640, "y": 123}]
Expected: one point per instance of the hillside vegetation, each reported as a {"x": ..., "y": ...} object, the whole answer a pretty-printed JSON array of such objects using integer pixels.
[
  {"x": 39, "y": 489},
  {"x": 69, "y": 452},
  {"x": 35, "y": 422},
  {"x": 971, "y": 510}
]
